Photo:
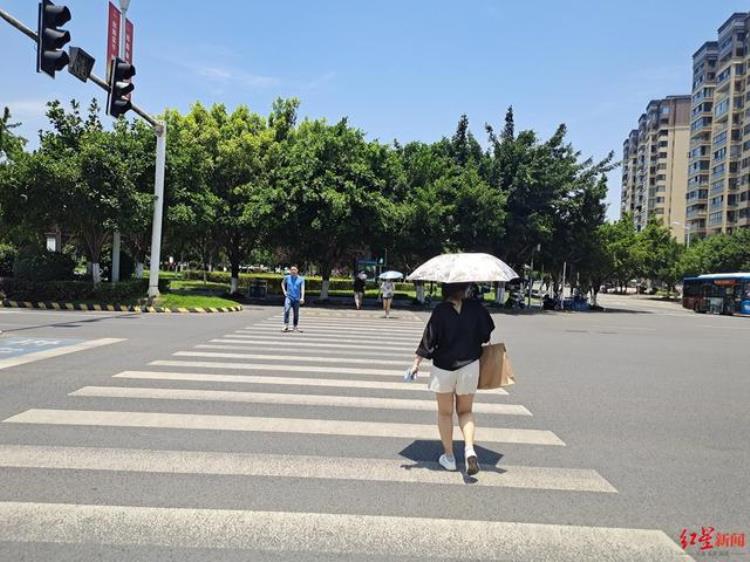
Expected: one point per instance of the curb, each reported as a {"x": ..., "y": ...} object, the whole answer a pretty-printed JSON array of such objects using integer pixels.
[{"x": 117, "y": 307}]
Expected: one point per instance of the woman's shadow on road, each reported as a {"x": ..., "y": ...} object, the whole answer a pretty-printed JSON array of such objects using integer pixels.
[{"x": 424, "y": 454}]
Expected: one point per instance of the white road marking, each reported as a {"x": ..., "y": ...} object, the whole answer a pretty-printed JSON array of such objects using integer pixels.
[
  {"x": 298, "y": 532},
  {"x": 384, "y": 326},
  {"x": 343, "y": 354},
  {"x": 272, "y": 367},
  {"x": 96, "y": 418},
  {"x": 307, "y": 343},
  {"x": 56, "y": 352},
  {"x": 312, "y": 329},
  {"x": 298, "y": 358},
  {"x": 293, "y": 381},
  {"x": 297, "y": 466},
  {"x": 421, "y": 405},
  {"x": 324, "y": 338}
]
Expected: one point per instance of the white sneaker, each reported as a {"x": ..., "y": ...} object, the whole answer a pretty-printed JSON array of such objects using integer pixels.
[
  {"x": 472, "y": 466},
  {"x": 447, "y": 463}
]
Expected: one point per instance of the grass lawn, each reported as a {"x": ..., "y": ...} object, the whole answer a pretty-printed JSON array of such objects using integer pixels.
[
  {"x": 188, "y": 300},
  {"x": 198, "y": 286}
]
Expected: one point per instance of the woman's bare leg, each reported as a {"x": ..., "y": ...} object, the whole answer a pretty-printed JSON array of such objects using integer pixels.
[
  {"x": 464, "y": 405},
  {"x": 445, "y": 420}
]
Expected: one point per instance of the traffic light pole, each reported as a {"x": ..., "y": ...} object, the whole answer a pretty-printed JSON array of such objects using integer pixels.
[
  {"x": 116, "y": 238},
  {"x": 161, "y": 159},
  {"x": 161, "y": 148}
]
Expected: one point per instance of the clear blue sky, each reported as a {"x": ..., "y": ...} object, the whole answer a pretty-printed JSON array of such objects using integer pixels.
[{"x": 397, "y": 69}]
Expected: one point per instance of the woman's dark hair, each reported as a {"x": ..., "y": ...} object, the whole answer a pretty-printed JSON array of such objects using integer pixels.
[{"x": 454, "y": 290}]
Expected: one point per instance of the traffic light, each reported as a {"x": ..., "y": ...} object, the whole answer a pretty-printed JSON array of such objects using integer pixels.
[
  {"x": 50, "y": 40},
  {"x": 120, "y": 73}
]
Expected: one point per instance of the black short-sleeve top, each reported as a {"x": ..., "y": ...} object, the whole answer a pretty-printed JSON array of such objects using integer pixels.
[{"x": 452, "y": 339}]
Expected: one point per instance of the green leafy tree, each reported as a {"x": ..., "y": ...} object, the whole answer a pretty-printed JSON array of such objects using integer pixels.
[
  {"x": 78, "y": 180},
  {"x": 657, "y": 254},
  {"x": 327, "y": 198},
  {"x": 10, "y": 143},
  {"x": 722, "y": 253}
]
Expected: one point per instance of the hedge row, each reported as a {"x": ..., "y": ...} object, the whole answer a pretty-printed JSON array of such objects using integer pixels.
[
  {"x": 43, "y": 266},
  {"x": 273, "y": 280},
  {"x": 75, "y": 291},
  {"x": 7, "y": 257}
]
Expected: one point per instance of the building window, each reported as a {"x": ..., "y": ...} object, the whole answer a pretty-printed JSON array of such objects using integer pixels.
[{"x": 721, "y": 108}]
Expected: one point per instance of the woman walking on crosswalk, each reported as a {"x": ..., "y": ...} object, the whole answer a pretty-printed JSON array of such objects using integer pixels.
[{"x": 453, "y": 339}]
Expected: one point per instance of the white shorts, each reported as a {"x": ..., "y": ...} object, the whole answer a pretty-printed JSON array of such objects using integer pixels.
[{"x": 461, "y": 381}]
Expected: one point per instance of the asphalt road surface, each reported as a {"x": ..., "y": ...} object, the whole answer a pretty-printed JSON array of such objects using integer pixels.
[{"x": 216, "y": 437}]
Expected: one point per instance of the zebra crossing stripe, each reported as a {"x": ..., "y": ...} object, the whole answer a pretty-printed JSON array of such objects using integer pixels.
[
  {"x": 297, "y": 466},
  {"x": 288, "y": 381},
  {"x": 344, "y": 330},
  {"x": 303, "y": 358},
  {"x": 98, "y": 418},
  {"x": 275, "y": 367},
  {"x": 307, "y": 343},
  {"x": 343, "y": 534},
  {"x": 344, "y": 354},
  {"x": 323, "y": 338},
  {"x": 365, "y": 402}
]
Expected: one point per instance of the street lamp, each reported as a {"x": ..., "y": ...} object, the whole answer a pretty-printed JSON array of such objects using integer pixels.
[{"x": 687, "y": 229}]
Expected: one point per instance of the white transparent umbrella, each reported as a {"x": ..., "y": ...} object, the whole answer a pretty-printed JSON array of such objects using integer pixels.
[
  {"x": 391, "y": 275},
  {"x": 463, "y": 268}
]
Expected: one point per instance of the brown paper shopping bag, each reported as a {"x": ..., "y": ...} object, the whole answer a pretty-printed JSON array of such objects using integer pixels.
[{"x": 495, "y": 369}]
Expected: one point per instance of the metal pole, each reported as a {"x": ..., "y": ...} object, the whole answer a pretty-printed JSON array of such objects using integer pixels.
[
  {"x": 161, "y": 157},
  {"x": 18, "y": 25},
  {"x": 116, "y": 234}
]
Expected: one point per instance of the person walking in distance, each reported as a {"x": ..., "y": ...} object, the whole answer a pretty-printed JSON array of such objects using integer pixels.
[
  {"x": 387, "y": 289},
  {"x": 359, "y": 289},
  {"x": 293, "y": 287},
  {"x": 453, "y": 339}
]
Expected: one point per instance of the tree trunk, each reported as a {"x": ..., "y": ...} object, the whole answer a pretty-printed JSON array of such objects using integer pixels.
[
  {"x": 96, "y": 274},
  {"x": 500, "y": 293},
  {"x": 420, "y": 292},
  {"x": 234, "y": 282},
  {"x": 139, "y": 269}
]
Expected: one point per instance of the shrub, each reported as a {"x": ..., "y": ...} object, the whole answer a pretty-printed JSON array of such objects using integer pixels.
[
  {"x": 35, "y": 265},
  {"x": 7, "y": 257},
  {"x": 274, "y": 281},
  {"x": 75, "y": 291}
]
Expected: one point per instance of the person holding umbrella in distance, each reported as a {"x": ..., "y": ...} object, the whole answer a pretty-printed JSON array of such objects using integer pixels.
[
  {"x": 388, "y": 289},
  {"x": 453, "y": 340},
  {"x": 360, "y": 281}
]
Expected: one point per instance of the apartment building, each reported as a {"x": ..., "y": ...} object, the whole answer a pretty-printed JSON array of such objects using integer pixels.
[
  {"x": 718, "y": 192},
  {"x": 655, "y": 165}
]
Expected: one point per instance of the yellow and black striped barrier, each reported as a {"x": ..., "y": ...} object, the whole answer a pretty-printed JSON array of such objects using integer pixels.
[{"x": 118, "y": 308}]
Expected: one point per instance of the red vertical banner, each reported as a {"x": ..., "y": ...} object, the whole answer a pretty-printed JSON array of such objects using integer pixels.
[
  {"x": 129, "y": 41},
  {"x": 113, "y": 34},
  {"x": 129, "y": 46}
]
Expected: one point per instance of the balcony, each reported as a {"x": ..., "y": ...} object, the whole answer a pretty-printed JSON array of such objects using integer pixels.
[{"x": 696, "y": 213}]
